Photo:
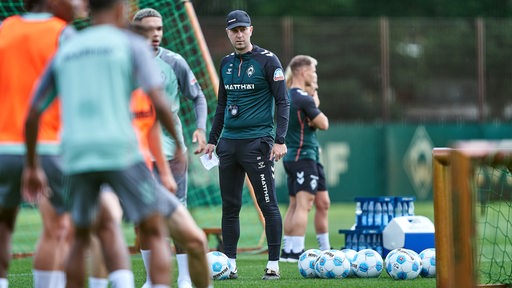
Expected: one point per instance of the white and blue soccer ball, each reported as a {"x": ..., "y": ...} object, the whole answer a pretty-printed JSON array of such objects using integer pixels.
[
  {"x": 386, "y": 260},
  {"x": 350, "y": 254},
  {"x": 398, "y": 250},
  {"x": 403, "y": 264},
  {"x": 412, "y": 252},
  {"x": 428, "y": 262},
  {"x": 219, "y": 265},
  {"x": 367, "y": 264},
  {"x": 332, "y": 264},
  {"x": 307, "y": 261}
]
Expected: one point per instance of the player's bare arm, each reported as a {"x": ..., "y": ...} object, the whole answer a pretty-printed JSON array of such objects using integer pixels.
[{"x": 34, "y": 182}]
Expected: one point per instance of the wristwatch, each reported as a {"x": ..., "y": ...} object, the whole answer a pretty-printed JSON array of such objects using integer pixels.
[{"x": 279, "y": 140}]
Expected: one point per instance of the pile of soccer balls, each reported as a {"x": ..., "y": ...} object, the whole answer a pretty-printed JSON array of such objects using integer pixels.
[
  {"x": 400, "y": 263},
  {"x": 340, "y": 263}
]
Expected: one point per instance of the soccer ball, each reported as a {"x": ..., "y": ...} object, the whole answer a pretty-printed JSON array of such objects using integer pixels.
[
  {"x": 403, "y": 264},
  {"x": 398, "y": 250},
  {"x": 428, "y": 262},
  {"x": 386, "y": 260},
  {"x": 350, "y": 254},
  {"x": 332, "y": 264},
  {"x": 307, "y": 263},
  {"x": 367, "y": 264},
  {"x": 219, "y": 265}
]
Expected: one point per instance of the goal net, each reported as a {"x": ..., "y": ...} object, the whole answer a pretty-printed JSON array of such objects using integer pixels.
[
  {"x": 472, "y": 211},
  {"x": 183, "y": 35}
]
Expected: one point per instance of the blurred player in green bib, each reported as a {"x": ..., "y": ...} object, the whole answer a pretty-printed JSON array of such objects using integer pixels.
[{"x": 94, "y": 74}]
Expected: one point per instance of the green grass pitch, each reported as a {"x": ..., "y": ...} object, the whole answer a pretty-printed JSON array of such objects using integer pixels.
[{"x": 251, "y": 264}]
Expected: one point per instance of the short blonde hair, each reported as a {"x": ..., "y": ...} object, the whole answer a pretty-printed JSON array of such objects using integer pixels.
[
  {"x": 288, "y": 76},
  {"x": 296, "y": 63}
]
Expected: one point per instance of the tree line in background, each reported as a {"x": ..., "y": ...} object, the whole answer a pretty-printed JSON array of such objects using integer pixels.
[
  {"x": 440, "y": 67},
  {"x": 359, "y": 8},
  {"x": 438, "y": 70}
]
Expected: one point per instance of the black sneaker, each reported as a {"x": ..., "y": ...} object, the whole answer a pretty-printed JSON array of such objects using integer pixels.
[
  {"x": 294, "y": 257},
  {"x": 284, "y": 256},
  {"x": 233, "y": 274},
  {"x": 271, "y": 275}
]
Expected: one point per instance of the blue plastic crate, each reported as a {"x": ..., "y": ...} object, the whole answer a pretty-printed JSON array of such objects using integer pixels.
[
  {"x": 404, "y": 206},
  {"x": 373, "y": 214},
  {"x": 377, "y": 212},
  {"x": 360, "y": 239}
]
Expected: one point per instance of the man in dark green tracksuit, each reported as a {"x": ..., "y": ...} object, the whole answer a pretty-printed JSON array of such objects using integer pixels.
[{"x": 251, "y": 91}]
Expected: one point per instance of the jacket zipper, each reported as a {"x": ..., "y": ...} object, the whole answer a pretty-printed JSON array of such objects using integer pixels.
[{"x": 240, "y": 65}]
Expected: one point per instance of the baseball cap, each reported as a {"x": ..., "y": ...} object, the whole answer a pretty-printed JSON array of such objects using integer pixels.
[{"x": 237, "y": 18}]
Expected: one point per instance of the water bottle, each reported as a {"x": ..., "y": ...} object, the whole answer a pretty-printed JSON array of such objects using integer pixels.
[
  {"x": 348, "y": 241},
  {"x": 361, "y": 244},
  {"x": 374, "y": 242},
  {"x": 370, "y": 213},
  {"x": 359, "y": 213},
  {"x": 354, "y": 242},
  {"x": 385, "y": 219},
  {"x": 369, "y": 241},
  {"x": 378, "y": 246},
  {"x": 390, "y": 211},
  {"x": 411, "y": 209},
  {"x": 364, "y": 218},
  {"x": 378, "y": 214},
  {"x": 398, "y": 209},
  {"x": 405, "y": 208}
]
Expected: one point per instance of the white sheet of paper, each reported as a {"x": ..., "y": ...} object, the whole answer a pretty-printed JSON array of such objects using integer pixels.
[{"x": 209, "y": 163}]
